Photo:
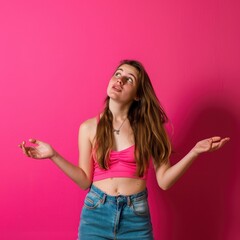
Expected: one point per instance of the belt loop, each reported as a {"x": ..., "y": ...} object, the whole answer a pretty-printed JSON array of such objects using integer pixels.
[
  {"x": 129, "y": 201},
  {"x": 104, "y": 198}
]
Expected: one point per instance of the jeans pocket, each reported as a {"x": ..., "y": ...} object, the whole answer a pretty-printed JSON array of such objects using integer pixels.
[
  {"x": 140, "y": 206},
  {"x": 92, "y": 200}
]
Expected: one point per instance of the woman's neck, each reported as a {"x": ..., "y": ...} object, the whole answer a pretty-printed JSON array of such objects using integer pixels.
[{"x": 119, "y": 111}]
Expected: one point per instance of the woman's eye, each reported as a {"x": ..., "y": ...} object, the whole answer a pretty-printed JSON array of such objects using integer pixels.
[
  {"x": 130, "y": 80},
  {"x": 117, "y": 74}
]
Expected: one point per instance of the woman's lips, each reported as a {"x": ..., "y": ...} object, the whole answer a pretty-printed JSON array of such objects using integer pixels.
[{"x": 117, "y": 88}]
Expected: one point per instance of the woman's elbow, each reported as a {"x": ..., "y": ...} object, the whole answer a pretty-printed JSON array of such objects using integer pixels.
[
  {"x": 84, "y": 185},
  {"x": 164, "y": 186}
]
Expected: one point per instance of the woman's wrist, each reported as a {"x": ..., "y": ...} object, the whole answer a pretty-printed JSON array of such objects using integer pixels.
[
  {"x": 54, "y": 156},
  {"x": 194, "y": 153}
]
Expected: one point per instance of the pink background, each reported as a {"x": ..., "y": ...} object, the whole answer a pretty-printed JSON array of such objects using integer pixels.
[{"x": 56, "y": 58}]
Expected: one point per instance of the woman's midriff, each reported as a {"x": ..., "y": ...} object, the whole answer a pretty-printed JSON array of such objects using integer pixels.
[{"x": 121, "y": 186}]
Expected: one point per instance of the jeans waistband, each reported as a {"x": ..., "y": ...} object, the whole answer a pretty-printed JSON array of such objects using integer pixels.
[{"x": 124, "y": 198}]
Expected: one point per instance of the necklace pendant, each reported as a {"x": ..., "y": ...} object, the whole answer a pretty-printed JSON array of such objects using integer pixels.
[{"x": 116, "y": 131}]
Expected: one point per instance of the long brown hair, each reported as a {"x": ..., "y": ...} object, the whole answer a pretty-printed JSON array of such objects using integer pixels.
[{"x": 146, "y": 117}]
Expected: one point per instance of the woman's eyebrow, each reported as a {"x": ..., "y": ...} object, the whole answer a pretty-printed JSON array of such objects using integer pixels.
[
  {"x": 128, "y": 73},
  {"x": 133, "y": 76}
]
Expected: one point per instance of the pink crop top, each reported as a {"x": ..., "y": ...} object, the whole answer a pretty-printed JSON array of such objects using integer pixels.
[{"x": 121, "y": 164}]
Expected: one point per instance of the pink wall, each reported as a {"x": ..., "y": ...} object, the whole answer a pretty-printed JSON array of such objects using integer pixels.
[{"x": 56, "y": 58}]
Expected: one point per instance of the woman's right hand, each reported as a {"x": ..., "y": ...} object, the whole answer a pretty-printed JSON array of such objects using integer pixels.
[{"x": 42, "y": 150}]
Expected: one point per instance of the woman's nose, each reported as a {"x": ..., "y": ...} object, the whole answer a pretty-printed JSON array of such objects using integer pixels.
[{"x": 121, "y": 80}]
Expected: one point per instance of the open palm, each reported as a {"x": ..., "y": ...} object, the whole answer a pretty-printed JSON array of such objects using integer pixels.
[{"x": 210, "y": 144}]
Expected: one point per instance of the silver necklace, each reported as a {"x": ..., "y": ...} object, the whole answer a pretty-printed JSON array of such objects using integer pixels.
[{"x": 117, "y": 131}]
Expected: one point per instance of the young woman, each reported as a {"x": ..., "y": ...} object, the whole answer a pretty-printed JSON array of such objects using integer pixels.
[{"x": 116, "y": 148}]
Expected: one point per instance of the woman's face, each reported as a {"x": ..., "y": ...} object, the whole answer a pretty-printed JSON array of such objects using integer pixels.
[{"x": 123, "y": 85}]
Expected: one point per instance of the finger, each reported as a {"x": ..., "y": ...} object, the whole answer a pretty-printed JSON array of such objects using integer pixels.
[
  {"x": 21, "y": 145},
  {"x": 32, "y": 140},
  {"x": 25, "y": 149},
  {"x": 25, "y": 152},
  {"x": 215, "y": 138},
  {"x": 35, "y": 141},
  {"x": 220, "y": 144},
  {"x": 224, "y": 141},
  {"x": 31, "y": 154},
  {"x": 220, "y": 140}
]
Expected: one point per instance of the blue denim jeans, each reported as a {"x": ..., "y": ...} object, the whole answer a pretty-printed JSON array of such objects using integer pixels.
[{"x": 115, "y": 217}]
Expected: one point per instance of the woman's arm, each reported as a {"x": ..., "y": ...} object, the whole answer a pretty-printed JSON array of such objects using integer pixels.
[
  {"x": 82, "y": 174},
  {"x": 167, "y": 175}
]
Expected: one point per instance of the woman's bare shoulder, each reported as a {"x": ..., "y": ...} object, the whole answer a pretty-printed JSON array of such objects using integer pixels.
[
  {"x": 89, "y": 127},
  {"x": 91, "y": 120}
]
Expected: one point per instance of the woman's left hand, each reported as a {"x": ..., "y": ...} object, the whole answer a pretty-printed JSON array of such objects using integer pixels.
[{"x": 210, "y": 144}]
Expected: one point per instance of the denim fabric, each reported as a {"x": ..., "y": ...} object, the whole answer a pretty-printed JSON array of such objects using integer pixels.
[{"x": 115, "y": 217}]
